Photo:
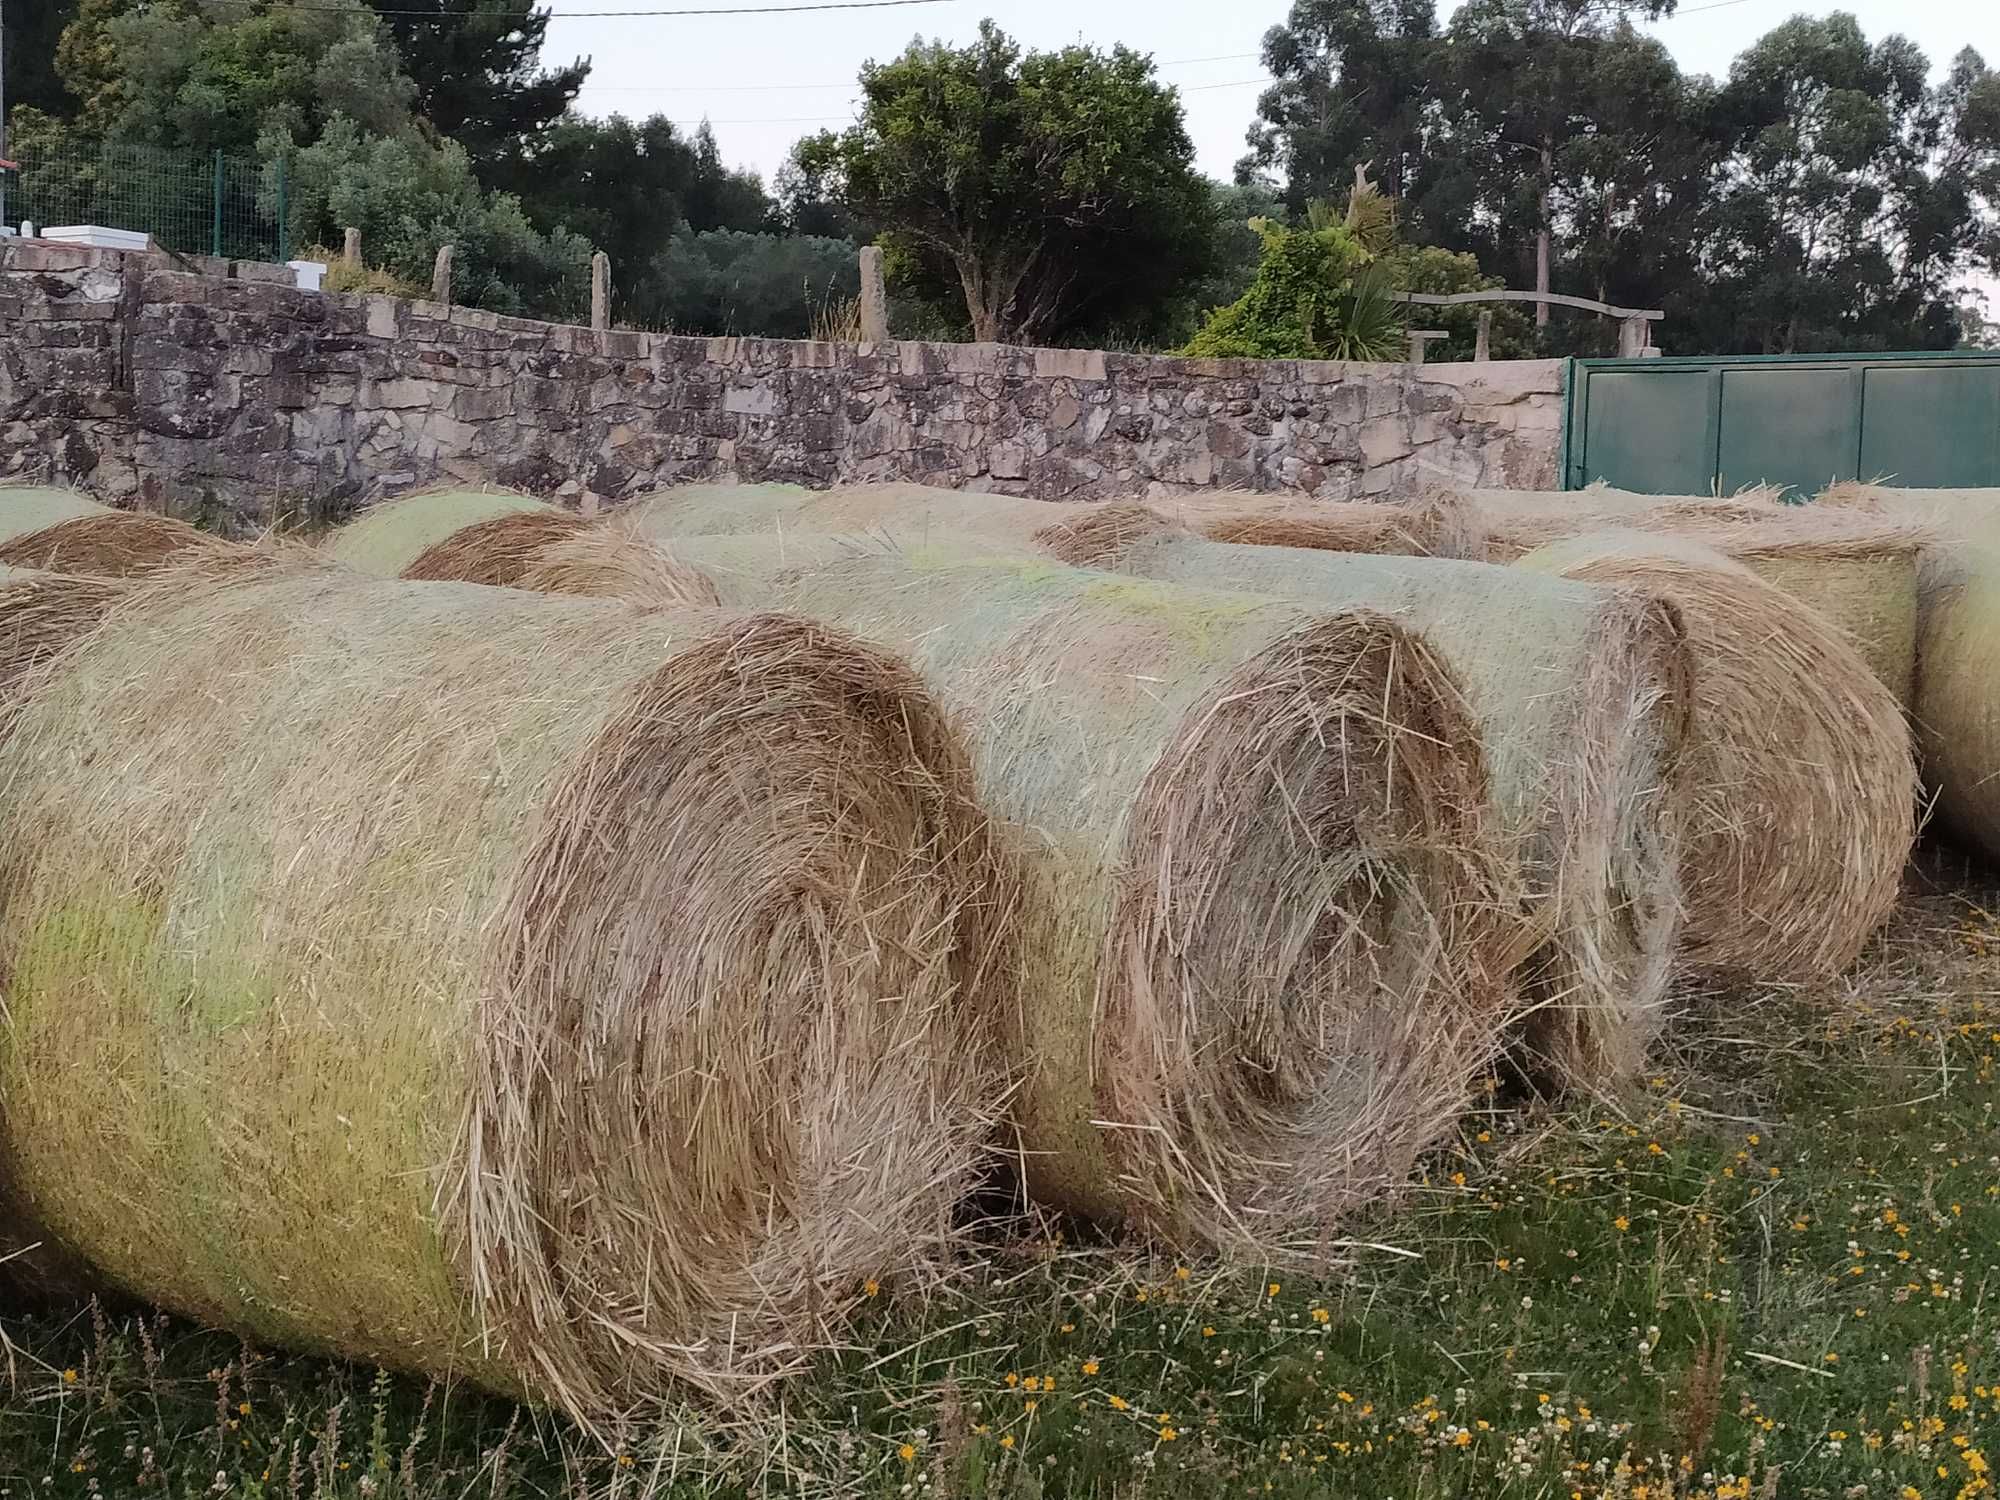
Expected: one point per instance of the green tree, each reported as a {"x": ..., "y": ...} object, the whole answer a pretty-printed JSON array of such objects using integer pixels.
[
  {"x": 1353, "y": 80},
  {"x": 1542, "y": 111},
  {"x": 477, "y": 67},
  {"x": 1854, "y": 193},
  {"x": 32, "y": 32},
  {"x": 1319, "y": 293},
  {"x": 409, "y": 197},
  {"x": 729, "y": 281},
  {"x": 1053, "y": 189},
  {"x": 175, "y": 74}
]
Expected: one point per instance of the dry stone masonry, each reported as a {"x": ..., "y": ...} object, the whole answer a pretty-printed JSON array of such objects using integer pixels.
[{"x": 212, "y": 390}]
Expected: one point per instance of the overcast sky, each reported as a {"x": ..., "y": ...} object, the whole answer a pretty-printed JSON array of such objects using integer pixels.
[{"x": 766, "y": 80}]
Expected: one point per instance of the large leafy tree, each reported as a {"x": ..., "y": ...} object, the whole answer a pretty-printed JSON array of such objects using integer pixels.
[
  {"x": 1053, "y": 190},
  {"x": 32, "y": 31},
  {"x": 480, "y": 82},
  {"x": 1353, "y": 80},
  {"x": 1855, "y": 193},
  {"x": 1542, "y": 104}
]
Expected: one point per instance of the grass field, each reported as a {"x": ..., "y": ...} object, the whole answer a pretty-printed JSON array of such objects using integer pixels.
[{"x": 1772, "y": 1271}]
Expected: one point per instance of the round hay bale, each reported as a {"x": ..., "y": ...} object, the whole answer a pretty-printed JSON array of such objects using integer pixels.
[
  {"x": 916, "y": 514},
  {"x": 572, "y": 997},
  {"x": 1581, "y": 698},
  {"x": 390, "y": 537},
  {"x": 1801, "y": 786},
  {"x": 30, "y": 508},
  {"x": 41, "y": 615},
  {"x": 1266, "y": 928},
  {"x": 1948, "y": 513},
  {"x": 1515, "y": 523},
  {"x": 608, "y": 562},
  {"x": 60, "y": 531},
  {"x": 496, "y": 552},
  {"x": 1443, "y": 523},
  {"x": 1957, "y": 706},
  {"x": 1858, "y": 571}
]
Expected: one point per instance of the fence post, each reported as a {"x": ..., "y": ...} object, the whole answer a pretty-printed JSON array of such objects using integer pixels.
[
  {"x": 1632, "y": 338},
  {"x": 441, "y": 276},
  {"x": 350, "y": 250},
  {"x": 600, "y": 291},
  {"x": 1482, "y": 349},
  {"x": 874, "y": 297},
  {"x": 215, "y": 224},
  {"x": 284, "y": 214}
]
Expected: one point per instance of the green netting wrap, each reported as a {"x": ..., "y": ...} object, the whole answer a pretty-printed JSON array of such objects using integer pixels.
[
  {"x": 1580, "y": 695},
  {"x": 1801, "y": 786},
  {"x": 1265, "y": 919},
  {"x": 1958, "y": 681},
  {"x": 391, "y": 538},
  {"x": 579, "y": 999}
]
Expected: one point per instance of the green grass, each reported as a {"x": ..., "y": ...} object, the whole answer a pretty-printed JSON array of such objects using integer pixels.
[{"x": 1771, "y": 1272}]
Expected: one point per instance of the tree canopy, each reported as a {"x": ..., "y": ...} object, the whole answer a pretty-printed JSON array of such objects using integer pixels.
[
  {"x": 1827, "y": 194},
  {"x": 1830, "y": 192},
  {"x": 1052, "y": 188}
]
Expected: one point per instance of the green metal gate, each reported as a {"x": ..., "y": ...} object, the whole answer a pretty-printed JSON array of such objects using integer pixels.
[{"x": 1715, "y": 426}]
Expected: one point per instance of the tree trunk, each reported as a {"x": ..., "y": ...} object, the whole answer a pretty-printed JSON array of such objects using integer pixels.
[{"x": 1542, "y": 234}]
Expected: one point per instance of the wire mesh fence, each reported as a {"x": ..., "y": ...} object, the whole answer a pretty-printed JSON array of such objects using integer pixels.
[{"x": 190, "y": 202}]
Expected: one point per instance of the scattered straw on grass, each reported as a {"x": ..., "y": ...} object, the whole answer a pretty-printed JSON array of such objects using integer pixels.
[
  {"x": 578, "y": 998},
  {"x": 1581, "y": 696},
  {"x": 391, "y": 536},
  {"x": 1265, "y": 922},
  {"x": 1802, "y": 804}
]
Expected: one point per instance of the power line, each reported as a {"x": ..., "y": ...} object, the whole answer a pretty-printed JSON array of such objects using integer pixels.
[{"x": 575, "y": 15}]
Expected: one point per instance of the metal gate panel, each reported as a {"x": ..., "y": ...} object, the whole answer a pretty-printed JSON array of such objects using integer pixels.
[
  {"x": 1931, "y": 427},
  {"x": 1646, "y": 420},
  {"x": 1797, "y": 428},
  {"x": 1715, "y": 426}
]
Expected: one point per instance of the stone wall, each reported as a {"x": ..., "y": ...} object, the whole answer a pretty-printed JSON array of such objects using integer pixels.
[{"x": 215, "y": 393}]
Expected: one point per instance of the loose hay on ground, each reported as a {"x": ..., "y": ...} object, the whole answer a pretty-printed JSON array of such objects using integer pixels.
[
  {"x": 392, "y": 536},
  {"x": 1802, "y": 806},
  {"x": 1581, "y": 696},
  {"x": 565, "y": 995},
  {"x": 1265, "y": 923}
]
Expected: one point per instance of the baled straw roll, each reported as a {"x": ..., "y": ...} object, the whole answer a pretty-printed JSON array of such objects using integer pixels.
[
  {"x": 1265, "y": 935},
  {"x": 571, "y": 997},
  {"x": 1801, "y": 787},
  {"x": 911, "y": 514},
  {"x": 460, "y": 536},
  {"x": 41, "y": 615},
  {"x": 1856, "y": 570},
  {"x": 1581, "y": 696},
  {"x": 1440, "y": 523},
  {"x": 1958, "y": 681},
  {"x": 60, "y": 531}
]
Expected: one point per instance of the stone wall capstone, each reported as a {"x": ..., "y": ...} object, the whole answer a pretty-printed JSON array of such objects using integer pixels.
[{"x": 212, "y": 391}]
